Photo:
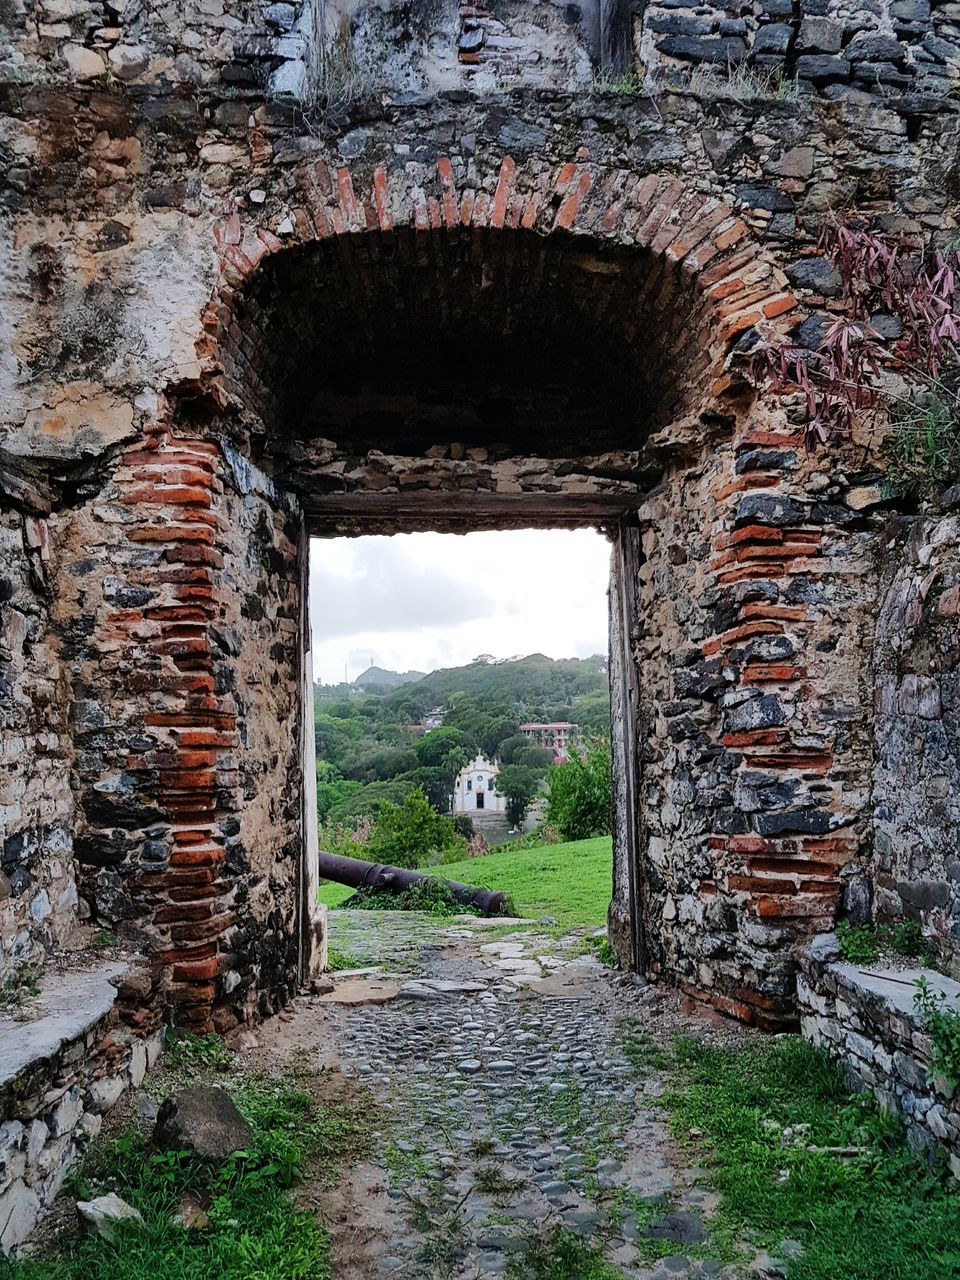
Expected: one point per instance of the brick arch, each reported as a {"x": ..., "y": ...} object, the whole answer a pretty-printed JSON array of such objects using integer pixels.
[{"x": 707, "y": 282}]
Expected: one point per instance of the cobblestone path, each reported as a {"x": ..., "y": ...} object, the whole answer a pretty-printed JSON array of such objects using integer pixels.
[{"x": 513, "y": 1091}]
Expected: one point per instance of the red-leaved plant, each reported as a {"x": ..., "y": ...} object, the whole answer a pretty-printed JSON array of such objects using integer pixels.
[{"x": 850, "y": 372}]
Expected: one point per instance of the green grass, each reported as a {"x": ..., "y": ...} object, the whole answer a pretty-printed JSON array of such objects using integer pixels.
[
  {"x": 881, "y": 1214},
  {"x": 255, "y": 1232},
  {"x": 571, "y": 882}
]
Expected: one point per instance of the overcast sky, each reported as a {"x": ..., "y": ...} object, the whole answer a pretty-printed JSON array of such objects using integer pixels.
[{"x": 421, "y": 601}]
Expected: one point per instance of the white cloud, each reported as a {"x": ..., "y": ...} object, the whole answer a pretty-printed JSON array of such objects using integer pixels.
[{"x": 427, "y": 600}]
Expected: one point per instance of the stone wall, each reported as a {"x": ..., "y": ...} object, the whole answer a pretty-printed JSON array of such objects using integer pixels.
[
  {"x": 906, "y": 49},
  {"x": 866, "y": 1021},
  {"x": 917, "y": 730},
  {"x": 754, "y": 596},
  {"x": 62, "y": 1067},
  {"x": 38, "y": 897},
  {"x": 350, "y": 49}
]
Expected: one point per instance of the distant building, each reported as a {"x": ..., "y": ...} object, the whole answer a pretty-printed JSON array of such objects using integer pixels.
[
  {"x": 475, "y": 789},
  {"x": 556, "y": 737}
]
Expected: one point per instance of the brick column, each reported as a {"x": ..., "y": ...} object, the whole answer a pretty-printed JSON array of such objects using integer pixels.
[{"x": 160, "y": 654}]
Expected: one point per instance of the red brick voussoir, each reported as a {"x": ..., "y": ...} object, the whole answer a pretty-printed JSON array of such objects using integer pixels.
[{"x": 692, "y": 234}]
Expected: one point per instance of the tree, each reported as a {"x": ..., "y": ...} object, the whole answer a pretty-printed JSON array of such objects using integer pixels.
[
  {"x": 533, "y": 757},
  {"x": 509, "y": 746},
  {"x": 495, "y": 731},
  {"x": 579, "y": 797},
  {"x": 519, "y": 784},
  {"x": 434, "y": 748},
  {"x": 411, "y": 834},
  {"x": 335, "y": 796}
]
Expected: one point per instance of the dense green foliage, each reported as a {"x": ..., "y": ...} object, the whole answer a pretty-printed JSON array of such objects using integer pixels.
[
  {"x": 371, "y": 752},
  {"x": 432, "y": 896},
  {"x": 412, "y": 834},
  {"x": 796, "y": 1157},
  {"x": 579, "y": 803},
  {"x": 255, "y": 1229},
  {"x": 570, "y": 882},
  {"x": 545, "y": 688}
]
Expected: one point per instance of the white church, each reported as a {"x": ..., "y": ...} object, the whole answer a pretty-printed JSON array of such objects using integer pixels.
[{"x": 475, "y": 789}]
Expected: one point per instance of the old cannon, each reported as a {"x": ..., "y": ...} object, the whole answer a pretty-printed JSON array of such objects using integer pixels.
[{"x": 376, "y": 876}]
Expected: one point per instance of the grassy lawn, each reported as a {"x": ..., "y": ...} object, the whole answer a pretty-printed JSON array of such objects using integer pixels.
[{"x": 568, "y": 881}]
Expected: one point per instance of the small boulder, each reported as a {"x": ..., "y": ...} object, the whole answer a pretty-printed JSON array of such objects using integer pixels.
[
  {"x": 102, "y": 1215},
  {"x": 203, "y": 1121}
]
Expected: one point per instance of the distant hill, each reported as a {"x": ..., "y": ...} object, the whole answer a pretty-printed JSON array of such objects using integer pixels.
[
  {"x": 387, "y": 679},
  {"x": 535, "y": 685}
]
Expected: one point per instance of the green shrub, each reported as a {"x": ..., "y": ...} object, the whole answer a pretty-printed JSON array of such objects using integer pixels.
[
  {"x": 411, "y": 834},
  {"x": 431, "y": 895},
  {"x": 907, "y": 939},
  {"x": 580, "y": 790},
  {"x": 865, "y": 943}
]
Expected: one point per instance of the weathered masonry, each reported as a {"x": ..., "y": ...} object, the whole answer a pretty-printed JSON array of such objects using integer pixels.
[{"x": 271, "y": 270}]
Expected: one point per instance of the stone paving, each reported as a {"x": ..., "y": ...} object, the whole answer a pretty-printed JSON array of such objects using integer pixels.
[{"x": 508, "y": 1107}]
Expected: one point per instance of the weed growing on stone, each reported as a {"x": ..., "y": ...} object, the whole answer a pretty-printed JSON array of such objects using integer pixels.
[
  {"x": 866, "y": 943},
  {"x": 643, "y": 1052},
  {"x": 874, "y": 1213},
  {"x": 740, "y": 83},
  {"x": 943, "y": 1025},
  {"x": 491, "y": 1180},
  {"x": 338, "y": 961},
  {"x": 605, "y": 82},
  {"x": 561, "y": 1256},
  {"x": 18, "y": 988},
  {"x": 858, "y": 942},
  {"x": 255, "y": 1228},
  {"x": 187, "y": 1050},
  {"x": 923, "y": 452}
]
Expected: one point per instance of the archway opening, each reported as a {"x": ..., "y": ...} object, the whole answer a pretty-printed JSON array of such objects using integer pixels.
[
  {"x": 472, "y": 380},
  {"x": 442, "y": 664}
]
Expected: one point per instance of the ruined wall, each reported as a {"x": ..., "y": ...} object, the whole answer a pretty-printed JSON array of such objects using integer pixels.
[
  {"x": 159, "y": 160},
  {"x": 260, "y": 641},
  {"x": 850, "y": 52},
  {"x": 916, "y": 795},
  {"x": 38, "y": 898},
  {"x": 868, "y": 1023}
]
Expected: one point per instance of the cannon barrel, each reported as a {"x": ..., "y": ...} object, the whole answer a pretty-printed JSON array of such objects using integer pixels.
[{"x": 376, "y": 875}]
